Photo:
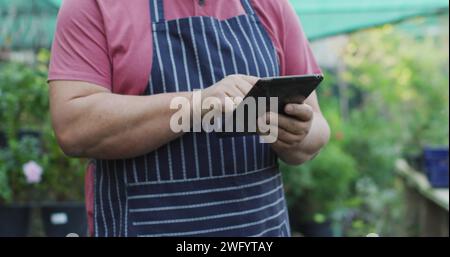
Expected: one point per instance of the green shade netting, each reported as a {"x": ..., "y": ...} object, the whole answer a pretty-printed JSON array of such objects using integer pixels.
[
  {"x": 27, "y": 24},
  {"x": 323, "y": 18},
  {"x": 30, "y": 23}
]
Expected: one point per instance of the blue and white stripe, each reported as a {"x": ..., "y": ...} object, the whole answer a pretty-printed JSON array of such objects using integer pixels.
[{"x": 199, "y": 184}]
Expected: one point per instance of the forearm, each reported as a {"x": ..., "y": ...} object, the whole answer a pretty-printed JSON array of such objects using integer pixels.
[
  {"x": 90, "y": 121},
  {"x": 314, "y": 141},
  {"x": 111, "y": 126}
]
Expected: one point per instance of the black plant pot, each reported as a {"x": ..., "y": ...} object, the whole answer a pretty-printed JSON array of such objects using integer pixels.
[
  {"x": 313, "y": 229},
  {"x": 14, "y": 220},
  {"x": 3, "y": 141},
  {"x": 29, "y": 133},
  {"x": 61, "y": 219},
  {"x": 23, "y": 133},
  {"x": 305, "y": 226}
]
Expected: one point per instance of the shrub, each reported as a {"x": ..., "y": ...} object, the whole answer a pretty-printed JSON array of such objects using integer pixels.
[{"x": 25, "y": 123}]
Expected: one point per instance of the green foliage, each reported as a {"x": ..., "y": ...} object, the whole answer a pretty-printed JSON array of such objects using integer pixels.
[
  {"x": 24, "y": 107},
  {"x": 404, "y": 106},
  {"x": 406, "y": 80},
  {"x": 317, "y": 188},
  {"x": 23, "y": 99},
  {"x": 374, "y": 209},
  {"x": 14, "y": 184},
  {"x": 398, "y": 102}
]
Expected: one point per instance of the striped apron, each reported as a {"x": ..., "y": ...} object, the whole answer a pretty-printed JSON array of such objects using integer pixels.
[{"x": 199, "y": 184}]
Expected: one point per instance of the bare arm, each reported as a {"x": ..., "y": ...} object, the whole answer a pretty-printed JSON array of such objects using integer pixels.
[{"x": 90, "y": 121}]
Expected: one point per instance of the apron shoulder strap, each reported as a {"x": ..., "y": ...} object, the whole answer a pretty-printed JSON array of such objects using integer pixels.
[
  {"x": 248, "y": 7},
  {"x": 157, "y": 10}
]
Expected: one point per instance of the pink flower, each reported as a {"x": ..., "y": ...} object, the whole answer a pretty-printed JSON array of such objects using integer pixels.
[{"x": 33, "y": 172}]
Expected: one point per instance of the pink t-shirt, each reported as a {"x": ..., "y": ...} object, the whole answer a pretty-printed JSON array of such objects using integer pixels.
[{"x": 109, "y": 43}]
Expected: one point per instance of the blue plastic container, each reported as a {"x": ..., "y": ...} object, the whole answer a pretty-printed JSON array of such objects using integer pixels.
[{"x": 436, "y": 166}]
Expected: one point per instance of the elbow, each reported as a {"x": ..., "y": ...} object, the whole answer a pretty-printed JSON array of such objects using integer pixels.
[{"x": 70, "y": 143}]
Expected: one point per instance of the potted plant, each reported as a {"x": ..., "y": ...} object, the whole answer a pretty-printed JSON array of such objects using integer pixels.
[
  {"x": 62, "y": 210},
  {"x": 434, "y": 143},
  {"x": 318, "y": 188},
  {"x": 316, "y": 191},
  {"x": 31, "y": 176},
  {"x": 21, "y": 110},
  {"x": 403, "y": 108},
  {"x": 28, "y": 136},
  {"x": 429, "y": 137},
  {"x": 20, "y": 177},
  {"x": 436, "y": 165}
]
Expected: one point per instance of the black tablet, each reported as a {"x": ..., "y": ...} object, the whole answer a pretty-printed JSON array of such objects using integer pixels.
[{"x": 287, "y": 89}]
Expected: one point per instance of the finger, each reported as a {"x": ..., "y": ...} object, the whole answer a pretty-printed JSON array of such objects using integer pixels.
[
  {"x": 234, "y": 91},
  {"x": 244, "y": 86},
  {"x": 250, "y": 79},
  {"x": 291, "y": 125},
  {"x": 233, "y": 83},
  {"x": 228, "y": 102},
  {"x": 288, "y": 139},
  {"x": 271, "y": 118},
  {"x": 267, "y": 121},
  {"x": 280, "y": 146},
  {"x": 303, "y": 112}
]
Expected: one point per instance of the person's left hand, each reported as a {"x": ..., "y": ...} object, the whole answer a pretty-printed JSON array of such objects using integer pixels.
[{"x": 292, "y": 129}]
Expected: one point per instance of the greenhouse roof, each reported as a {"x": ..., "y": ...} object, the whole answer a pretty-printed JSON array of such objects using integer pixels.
[{"x": 30, "y": 23}]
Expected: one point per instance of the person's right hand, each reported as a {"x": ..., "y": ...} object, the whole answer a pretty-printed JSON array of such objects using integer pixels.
[{"x": 231, "y": 86}]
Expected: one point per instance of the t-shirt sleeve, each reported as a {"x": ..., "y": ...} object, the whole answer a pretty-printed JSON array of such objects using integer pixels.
[
  {"x": 298, "y": 57},
  {"x": 285, "y": 29},
  {"x": 79, "y": 50}
]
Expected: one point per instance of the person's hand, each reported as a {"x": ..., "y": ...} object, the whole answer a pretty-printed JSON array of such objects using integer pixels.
[
  {"x": 231, "y": 86},
  {"x": 292, "y": 129}
]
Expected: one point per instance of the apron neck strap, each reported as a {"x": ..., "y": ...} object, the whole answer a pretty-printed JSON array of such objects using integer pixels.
[
  {"x": 248, "y": 7},
  {"x": 157, "y": 9}
]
